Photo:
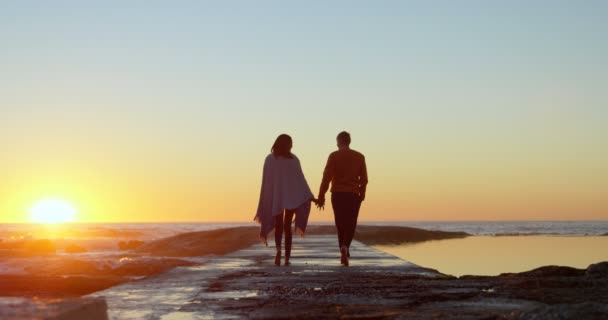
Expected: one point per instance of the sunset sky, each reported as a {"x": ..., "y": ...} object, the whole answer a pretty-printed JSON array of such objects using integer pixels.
[{"x": 165, "y": 110}]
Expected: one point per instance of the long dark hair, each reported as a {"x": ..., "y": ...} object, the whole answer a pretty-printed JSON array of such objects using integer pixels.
[{"x": 282, "y": 147}]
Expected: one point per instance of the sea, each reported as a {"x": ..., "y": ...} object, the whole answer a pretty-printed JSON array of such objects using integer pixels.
[
  {"x": 147, "y": 231},
  {"x": 495, "y": 247}
]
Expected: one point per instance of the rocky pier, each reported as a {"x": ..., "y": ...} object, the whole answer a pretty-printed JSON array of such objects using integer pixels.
[{"x": 247, "y": 284}]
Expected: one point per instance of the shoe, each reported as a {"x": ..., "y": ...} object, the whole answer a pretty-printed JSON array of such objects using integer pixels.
[
  {"x": 277, "y": 259},
  {"x": 344, "y": 256}
]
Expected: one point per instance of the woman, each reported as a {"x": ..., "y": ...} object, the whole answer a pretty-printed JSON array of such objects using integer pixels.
[{"x": 284, "y": 193}]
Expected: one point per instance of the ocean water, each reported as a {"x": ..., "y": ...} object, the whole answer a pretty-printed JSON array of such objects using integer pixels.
[
  {"x": 99, "y": 243},
  {"x": 141, "y": 231},
  {"x": 513, "y": 228},
  {"x": 490, "y": 255},
  {"x": 507, "y": 247},
  {"x": 149, "y": 231}
]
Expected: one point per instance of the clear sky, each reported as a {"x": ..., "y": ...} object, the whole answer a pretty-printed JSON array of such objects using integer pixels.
[{"x": 165, "y": 110}]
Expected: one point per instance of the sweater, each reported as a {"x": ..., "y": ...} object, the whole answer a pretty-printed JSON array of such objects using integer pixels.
[{"x": 347, "y": 172}]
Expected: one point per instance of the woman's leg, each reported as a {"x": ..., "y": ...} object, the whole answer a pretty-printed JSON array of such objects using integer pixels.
[
  {"x": 288, "y": 235},
  {"x": 278, "y": 236}
]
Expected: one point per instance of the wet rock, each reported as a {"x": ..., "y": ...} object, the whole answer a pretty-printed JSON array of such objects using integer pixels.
[
  {"x": 130, "y": 245},
  {"x": 378, "y": 235},
  {"x": 101, "y": 232},
  {"x": 64, "y": 267},
  {"x": 42, "y": 247},
  {"x": 83, "y": 308},
  {"x": 549, "y": 271},
  {"x": 202, "y": 243},
  {"x": 54, "y": 286},
  {"x": 597, "y": 270},
  {"x": 246, "y": 284},
  {"x": 73, "y": 248},
  {"x": 148, "y": 267},
  {"x": 232, "y": 239},
  {"x": 27, "y": 248},
  {"x": 586, "y": 310}
]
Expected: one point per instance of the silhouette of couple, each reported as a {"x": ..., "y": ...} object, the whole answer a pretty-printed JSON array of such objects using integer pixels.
[{"x": 285, "y": 194}]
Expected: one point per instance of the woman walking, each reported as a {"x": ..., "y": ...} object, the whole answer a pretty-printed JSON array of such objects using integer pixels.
[{"x": 284, "y": 194}]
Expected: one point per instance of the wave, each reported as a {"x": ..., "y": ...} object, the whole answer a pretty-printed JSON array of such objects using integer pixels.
[
  {"x": 514, "y": 228},
  {"x": 556, "y": 234}
]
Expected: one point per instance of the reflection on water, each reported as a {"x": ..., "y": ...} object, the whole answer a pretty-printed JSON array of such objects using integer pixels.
[{"x": 486, "y": 255}]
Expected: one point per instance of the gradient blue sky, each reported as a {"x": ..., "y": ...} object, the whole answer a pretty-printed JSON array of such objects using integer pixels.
[{"x": 164, "y": 110}]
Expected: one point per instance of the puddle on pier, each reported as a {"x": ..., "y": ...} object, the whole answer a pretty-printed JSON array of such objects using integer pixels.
[
  {"x": 223, "y": 265},
  {"x": 234, "y": 295}
]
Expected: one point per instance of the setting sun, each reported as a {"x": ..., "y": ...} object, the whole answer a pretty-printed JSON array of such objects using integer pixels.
[{"x": 52, "y": 211}]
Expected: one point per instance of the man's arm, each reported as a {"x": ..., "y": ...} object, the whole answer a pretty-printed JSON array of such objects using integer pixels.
[
  {"x": 328, "y": 175},
  {"x": 363, "y": 180}
]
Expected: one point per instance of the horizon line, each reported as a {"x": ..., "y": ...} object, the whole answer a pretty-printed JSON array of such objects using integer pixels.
[{"x": 312, "y": 222}]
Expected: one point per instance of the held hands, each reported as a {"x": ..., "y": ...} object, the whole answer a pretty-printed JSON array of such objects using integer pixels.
[{"x": 320, "y": 203}]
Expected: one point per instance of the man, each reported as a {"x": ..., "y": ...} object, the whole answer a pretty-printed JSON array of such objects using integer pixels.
[{"x": 347, "y": 173}]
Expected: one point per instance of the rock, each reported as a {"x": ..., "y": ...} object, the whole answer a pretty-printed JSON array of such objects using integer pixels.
[
  {"x": 75, "y": 249},
  {"x": 64, "y": 267},
  {"x": 384, "y": 235},
  {"x": 27, "y": 248},
  {"x": 585, "y": 310},
  {"x": 227, "y": 240},
  {"x": 100, "y": 232},
  {"x": 549, "y": 271},
  {"x": 49, "y": 286},
  {"x": 202, "y": 243},
  {"x": 597, "y": 270},
  {"x": 39, "y": 247},
  {"x": 131, "y": 245},
  {"x": 148, "y": 267},
  {"x": 67, "y": 309}
]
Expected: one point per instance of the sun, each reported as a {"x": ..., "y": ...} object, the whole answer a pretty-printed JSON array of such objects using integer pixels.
[{"x": 52, "y": 211}]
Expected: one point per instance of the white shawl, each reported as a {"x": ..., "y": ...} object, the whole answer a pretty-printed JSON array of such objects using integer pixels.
[{"x": 283, "y": 187}]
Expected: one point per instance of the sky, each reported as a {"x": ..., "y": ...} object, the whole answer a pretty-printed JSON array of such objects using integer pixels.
[{"x": 146, "y": 111}]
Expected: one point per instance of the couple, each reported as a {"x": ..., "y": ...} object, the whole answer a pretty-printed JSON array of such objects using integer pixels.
[{"x": 285, "y": 194}]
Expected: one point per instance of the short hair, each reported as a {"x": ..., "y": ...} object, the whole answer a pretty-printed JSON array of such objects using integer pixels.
[{"x": 344, "y": 138}]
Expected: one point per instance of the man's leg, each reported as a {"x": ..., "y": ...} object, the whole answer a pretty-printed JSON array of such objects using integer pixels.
[
  {"x": 337, "y": 204},
  {"x": 353, "y": 205},
  {"x": 341, "y": 212},
  {"x": 356, "y": 219}
]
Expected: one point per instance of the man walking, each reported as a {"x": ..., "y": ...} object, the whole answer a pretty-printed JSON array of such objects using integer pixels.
[{"x": 347, "y": 172}]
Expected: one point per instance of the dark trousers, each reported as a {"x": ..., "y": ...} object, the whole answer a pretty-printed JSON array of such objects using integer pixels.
[
  {"x": 283, "y": 222},
  {"x": 346, "y": 211}
]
